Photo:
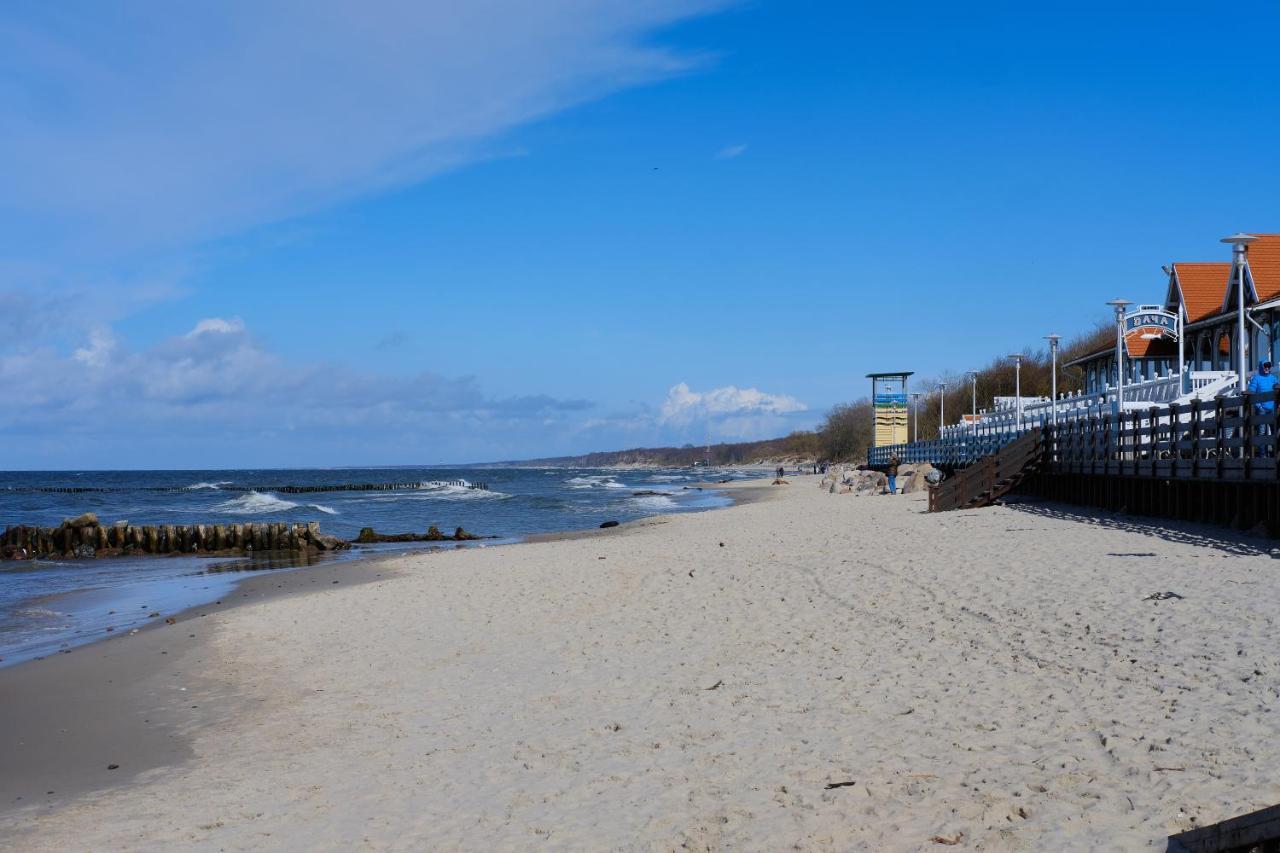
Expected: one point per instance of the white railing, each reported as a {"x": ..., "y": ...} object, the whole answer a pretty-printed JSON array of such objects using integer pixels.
[{"x": 1038, "y": 411}]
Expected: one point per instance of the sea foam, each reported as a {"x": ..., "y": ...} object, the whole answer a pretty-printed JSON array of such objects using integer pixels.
[{"x": 255, "y": 503}]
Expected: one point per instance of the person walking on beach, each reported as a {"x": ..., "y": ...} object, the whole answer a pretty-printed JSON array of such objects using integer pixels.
[{"x": 892, "y": 472}]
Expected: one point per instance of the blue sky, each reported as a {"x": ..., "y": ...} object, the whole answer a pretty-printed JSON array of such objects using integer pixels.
[{"x": 304, "y": 234}]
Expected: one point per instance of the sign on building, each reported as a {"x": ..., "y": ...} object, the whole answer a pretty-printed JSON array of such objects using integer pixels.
[{"x": 1149, "y": 322}]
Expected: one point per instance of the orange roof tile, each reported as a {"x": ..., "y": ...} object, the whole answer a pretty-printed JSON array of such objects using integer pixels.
[
  {"x": 1137, "y": 346},
  {"x": 1264, "y": 263},
  {"x": 1204, "y": 285}
]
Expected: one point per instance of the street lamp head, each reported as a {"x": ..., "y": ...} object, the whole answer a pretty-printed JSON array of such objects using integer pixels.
[
  {"x": 1053, "y": 339},
  {"x": 1017, "y": 357},
  {"x": 1119, "y": 305},
  {"x": 1239, "y": 239}
]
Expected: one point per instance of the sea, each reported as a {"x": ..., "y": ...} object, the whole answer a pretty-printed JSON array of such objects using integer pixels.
[{"x": 52, "y": 606}]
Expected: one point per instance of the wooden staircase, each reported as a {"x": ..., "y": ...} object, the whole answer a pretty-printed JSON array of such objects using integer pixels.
[{"x": 991, "y": 477}]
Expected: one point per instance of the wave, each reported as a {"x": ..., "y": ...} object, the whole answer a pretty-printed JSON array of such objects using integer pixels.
[
  {"x": 254, "y": 503},
  {"x": 449, "y": 491},
  {"x": 218, "y": 485},
  {"x": 42, "y": 612},
  {"x": 600, "y": 481},
  {"x": 323, "y": 508}
]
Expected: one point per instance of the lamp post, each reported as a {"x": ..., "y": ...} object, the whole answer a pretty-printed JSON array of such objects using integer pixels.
[
  {"x": 915, "y": 416},
  {"x": 1239, "y": 261},
  {"x": 942, "y": 407},
  {"x": 973, "y": 390},
  {"x": 1053, "y": 377},
  {"x": 1119, "y": 305},
  {"x": 1017, "y": 385}
]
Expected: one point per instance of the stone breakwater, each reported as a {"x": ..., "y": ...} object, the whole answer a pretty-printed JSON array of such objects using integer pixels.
[{"x": 85, "y": 537}]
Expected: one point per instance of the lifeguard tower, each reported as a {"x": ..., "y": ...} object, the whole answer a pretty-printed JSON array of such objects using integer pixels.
[{"x": 889, "y": 402}]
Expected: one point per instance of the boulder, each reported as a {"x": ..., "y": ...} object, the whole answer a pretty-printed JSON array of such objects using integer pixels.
[
  {"x": 610, "y": 524},
  {"x": 331, "y": 543},
  {"x": 87, "y": 520},
  {"x": 868, "y": 483},
  {"x": 915, "y": 480}
]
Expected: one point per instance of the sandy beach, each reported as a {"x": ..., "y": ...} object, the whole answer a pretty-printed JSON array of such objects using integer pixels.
[{"x": 806, "y": 672}]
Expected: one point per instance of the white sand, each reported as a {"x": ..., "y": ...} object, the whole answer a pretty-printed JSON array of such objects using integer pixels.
[{"x": 993, "y": 673}]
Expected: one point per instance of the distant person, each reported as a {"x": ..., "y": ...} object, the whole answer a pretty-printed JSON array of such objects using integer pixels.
[{"x": 893, "y": 474}]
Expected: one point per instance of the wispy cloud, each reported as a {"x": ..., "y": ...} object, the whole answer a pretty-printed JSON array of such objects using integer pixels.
[
  {"x": 132, "y": 134},
  {"x": 155, "y": 123},
  {"x": 216, "y": 386},
  {"x": 728, "y": 153}
]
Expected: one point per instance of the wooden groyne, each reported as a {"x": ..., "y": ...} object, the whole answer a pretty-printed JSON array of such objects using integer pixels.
[
  {"x": 287, "y": 489},
  {"x": 90, "y": 539}
]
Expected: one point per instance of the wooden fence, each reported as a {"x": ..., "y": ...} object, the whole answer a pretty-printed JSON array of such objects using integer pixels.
[{"x": 1228, "y": 438}]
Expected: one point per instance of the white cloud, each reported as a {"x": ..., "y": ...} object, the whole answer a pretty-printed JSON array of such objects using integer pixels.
[
  {"x": 160, "y": 123},
  {"x": 98, "y": 352},
  {"x": 730, "y": 152},
  {"x": 217, "y": 326},
  {"x": 720, "y": 414},
  {"x": 215, "y": 386},
  {"x": 684, "y": 405}
]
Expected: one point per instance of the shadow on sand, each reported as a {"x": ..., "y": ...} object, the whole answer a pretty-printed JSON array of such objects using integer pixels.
[{"x": 1170, "y": 530}]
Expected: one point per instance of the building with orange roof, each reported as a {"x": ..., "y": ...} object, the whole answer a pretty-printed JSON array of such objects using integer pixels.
[{"x": 1204, "y": 296}]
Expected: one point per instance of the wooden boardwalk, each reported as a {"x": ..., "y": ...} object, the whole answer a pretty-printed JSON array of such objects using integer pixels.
[{"x": 1212, "y": 462}]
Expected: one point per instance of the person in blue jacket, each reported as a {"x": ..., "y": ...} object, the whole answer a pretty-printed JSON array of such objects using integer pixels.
[{"x": 1263, "y": 382}]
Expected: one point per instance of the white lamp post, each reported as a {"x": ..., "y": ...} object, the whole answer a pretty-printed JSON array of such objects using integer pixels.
[
  {"x": 915, "y": 416},
  {"x": 1053, "y": 376},
  {"x": 1119, "y": 305},
  {"x": 973, "y": 390},
  {"x": 1017, "y": 385},
  {"x": 942, "y": 407},
  {"x": 1239, "y": 261}
]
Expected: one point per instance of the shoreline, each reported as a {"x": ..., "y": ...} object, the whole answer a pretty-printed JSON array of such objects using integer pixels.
[
  {"x": 85, "y": 629},
  {"x": 811, "y": 671},
  {"x": 134, "y": 701}
]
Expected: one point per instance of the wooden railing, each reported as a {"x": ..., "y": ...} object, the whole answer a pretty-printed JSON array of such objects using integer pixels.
[{"x": 1228, "y": 438}]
